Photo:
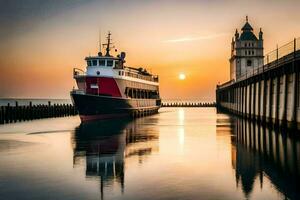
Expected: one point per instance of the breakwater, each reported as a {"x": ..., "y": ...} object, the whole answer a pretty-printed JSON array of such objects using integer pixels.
[
  {"x": 188, "y": 104},
  {"x": 16, "y": 113}
]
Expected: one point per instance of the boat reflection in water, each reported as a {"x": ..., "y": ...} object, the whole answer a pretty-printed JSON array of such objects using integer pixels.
[
  {"x": 262, "y": 152},
  {"x": 105, "y": 146}
]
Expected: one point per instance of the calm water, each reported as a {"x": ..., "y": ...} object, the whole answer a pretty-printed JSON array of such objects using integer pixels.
[{"x": 181, "y": 153}]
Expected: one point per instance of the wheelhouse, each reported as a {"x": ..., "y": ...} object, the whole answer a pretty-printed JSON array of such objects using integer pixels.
[{"x": 103, "y": 62}]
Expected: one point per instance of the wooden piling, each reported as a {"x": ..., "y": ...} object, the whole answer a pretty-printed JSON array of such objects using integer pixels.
[
  {"x": 17, "y": 113},
  {"x": 1, "y": 115}
]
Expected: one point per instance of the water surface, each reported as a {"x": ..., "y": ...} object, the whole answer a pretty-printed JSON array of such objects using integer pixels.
[{"x": 180, "y": 153}]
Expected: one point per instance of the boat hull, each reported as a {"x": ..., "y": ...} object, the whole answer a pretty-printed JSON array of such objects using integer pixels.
[{"x": 94, "y": 107}]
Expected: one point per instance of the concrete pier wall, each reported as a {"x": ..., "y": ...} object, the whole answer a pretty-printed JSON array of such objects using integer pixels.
[{"x": 271, "y": 96}]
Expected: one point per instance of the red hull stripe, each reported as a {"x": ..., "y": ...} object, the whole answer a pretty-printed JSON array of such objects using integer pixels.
[
  {"x": 106, "y": 86},
  {"x": 85, "y": 118}
]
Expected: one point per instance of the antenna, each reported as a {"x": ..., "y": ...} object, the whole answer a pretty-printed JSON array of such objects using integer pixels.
[
  {"x": 108, "y": 47},
  {"x": 100, "y": 48}
]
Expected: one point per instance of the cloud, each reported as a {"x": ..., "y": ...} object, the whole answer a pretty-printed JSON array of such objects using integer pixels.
[{"x": 189, "y": 39}]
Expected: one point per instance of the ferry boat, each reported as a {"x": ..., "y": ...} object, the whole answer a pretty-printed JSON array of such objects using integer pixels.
[{"x": 109, "y": 89}]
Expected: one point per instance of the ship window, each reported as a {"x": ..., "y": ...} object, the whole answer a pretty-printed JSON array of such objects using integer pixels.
[
  {"x": 95, "y": 63},
  {"x": 89, "y": 63},
  {"x": 110, "y": 63},
  {"x": 102, "y": 62}
]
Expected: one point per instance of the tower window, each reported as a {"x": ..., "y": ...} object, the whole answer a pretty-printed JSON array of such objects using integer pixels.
[
  {"x": 249, "y": 63},
  {"x": 245, "y": 52}
]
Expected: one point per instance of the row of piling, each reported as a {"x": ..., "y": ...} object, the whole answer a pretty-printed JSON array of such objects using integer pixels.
[
  {"x": 17, "y": 113},
  {"x": 188, "y": 104}
]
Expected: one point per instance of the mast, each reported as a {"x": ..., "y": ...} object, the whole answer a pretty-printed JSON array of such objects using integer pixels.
[{"x": 108, "y": 44}]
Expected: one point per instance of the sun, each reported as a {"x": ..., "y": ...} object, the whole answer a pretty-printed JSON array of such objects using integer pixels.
[{"x": 181, "y": 76}]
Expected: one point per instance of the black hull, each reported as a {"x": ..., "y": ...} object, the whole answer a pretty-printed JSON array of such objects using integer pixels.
[{"x": 93, "y": 107}]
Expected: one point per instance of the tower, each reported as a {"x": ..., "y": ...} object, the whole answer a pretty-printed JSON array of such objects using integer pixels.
[{"x": 247, "y": 52}]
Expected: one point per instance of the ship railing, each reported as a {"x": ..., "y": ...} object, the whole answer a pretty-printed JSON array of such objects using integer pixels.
[
  {"x": 275, "y": 58},
  {"x": 225, "y": 84},
  {"x": 78, "y": 72},
  {"x": 143, "y": 77}
]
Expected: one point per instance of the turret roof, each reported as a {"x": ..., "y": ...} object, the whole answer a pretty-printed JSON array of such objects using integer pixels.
[
  {"x": 247, "y": 33},
  {"x": 248, "y": 36},
  {"x": 247, "y": 27}
]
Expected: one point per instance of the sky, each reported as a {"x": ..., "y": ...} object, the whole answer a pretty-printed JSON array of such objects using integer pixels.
[{"x": 42, "y": 41}]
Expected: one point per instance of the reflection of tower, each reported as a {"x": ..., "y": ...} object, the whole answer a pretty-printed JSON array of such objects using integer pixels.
[
  {"x": 247, "y": 162},
  {"x": 263, "y": 151},
  {"x": 106, "y": 144}
]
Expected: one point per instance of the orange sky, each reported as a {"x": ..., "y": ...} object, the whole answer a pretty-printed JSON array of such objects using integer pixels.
[{"x": 42, "y": 42}]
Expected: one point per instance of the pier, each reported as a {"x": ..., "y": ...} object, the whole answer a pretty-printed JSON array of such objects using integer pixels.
[
  {"x": 16, "y": 113},
  {"x": 269, "y": 93}
]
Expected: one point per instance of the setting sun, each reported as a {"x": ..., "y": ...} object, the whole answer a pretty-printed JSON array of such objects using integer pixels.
[{"x": 181, "y": 76}]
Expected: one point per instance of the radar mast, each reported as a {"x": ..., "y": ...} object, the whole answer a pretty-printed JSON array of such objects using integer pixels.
[{"x": 108, "y": 44}]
